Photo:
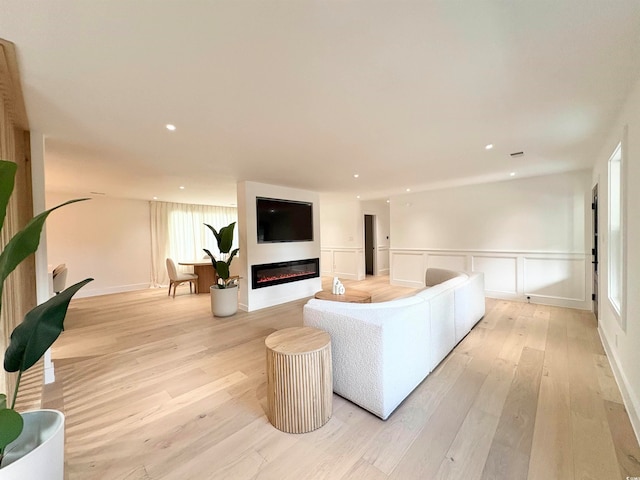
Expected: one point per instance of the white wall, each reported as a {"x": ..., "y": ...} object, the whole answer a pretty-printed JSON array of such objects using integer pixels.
[
  {"x": 105, "y": 238},
  {"x": 623, "y": 346},
  {"x": 341, "y": 235},
  {"x": 253, "y": 253},
  {"x": 529, "y": 236}
]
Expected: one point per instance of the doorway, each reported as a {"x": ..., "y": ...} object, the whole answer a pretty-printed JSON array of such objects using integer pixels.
[
  {"x": 369, "y": 244},
  {"x": 594, "y": 250}
]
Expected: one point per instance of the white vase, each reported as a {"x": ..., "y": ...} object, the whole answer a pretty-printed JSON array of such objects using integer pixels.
[
  {"x": 224, "y": 301},
  {"x": 38, "y": 453}
]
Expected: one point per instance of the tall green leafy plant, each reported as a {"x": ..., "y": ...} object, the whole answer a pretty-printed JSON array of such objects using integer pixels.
[
  {"x": 222, "y": 265},
  {"x": 42, "y": 325}
]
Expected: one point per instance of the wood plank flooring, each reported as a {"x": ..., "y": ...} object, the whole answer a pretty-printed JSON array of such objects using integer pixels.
[{"x": 156, "y": 388}]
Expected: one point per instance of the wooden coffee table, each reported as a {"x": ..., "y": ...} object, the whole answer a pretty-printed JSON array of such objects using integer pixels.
[{"x": 351, "y": 296}]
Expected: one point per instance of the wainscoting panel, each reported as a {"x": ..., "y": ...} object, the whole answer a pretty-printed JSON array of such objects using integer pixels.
[
  {"x": 345, "y": 262},
  {"x": 326, "y": 262},
  {"x": 450, "y": 262},
  {"x": 555, "y": 277},
  {"x": 408, "y": 268},
  {"x": 383, "y": 260},
  {"x": 551, "y": 278},
  {"x": 342, "y": 262},
  {"x": 500, "y": 273}
]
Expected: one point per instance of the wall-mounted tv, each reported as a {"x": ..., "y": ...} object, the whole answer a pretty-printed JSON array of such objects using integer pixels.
[{"x": 284, "y": 220}]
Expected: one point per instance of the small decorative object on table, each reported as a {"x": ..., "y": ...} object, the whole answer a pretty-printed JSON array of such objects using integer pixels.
[{"x": 338, "y": 287}]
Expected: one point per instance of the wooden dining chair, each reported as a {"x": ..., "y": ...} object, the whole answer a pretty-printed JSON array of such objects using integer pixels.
[{"x": 176, "y": 278}]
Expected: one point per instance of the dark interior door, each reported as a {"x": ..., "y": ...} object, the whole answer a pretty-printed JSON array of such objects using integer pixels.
[
  {"x": 594, "y": 250},
  {"x": 369, "y": 244}
]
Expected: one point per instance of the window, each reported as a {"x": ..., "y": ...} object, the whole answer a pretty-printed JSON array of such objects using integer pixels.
[{"x": 616, "y": 233}]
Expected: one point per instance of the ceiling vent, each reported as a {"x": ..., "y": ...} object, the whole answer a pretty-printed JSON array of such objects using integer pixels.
[{"x": 517, "y": 154}]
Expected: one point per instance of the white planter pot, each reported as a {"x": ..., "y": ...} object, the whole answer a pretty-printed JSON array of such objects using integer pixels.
[
  {"x": 38, "y": 453},
  {"x": 224, "y": 301}
]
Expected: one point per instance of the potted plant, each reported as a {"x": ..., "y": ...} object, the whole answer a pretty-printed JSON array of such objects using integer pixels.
[
  {"x": 32, "y": 444},
  {"x": 224, "y": 295}
]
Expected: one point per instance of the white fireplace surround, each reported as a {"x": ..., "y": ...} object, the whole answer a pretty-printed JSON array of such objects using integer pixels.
[{"x": 254, "y": 253}]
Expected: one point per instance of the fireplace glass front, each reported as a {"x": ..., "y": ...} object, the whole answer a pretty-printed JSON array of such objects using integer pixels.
[{"x": 269, "y": 274}]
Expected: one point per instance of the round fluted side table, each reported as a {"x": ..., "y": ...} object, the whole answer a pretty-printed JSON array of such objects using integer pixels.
[{"x": 299, "y": 379}]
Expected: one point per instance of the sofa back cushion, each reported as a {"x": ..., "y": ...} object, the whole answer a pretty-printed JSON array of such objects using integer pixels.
[
  {"x": 435, "y": 276},
  {"x": 432, "y": 291}
]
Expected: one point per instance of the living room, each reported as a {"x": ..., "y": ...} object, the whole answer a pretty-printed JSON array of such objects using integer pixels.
[{"x": 529, "y": 233}]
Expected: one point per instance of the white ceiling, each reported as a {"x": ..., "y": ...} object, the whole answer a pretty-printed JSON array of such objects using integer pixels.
[{"x": 307, "y": 93}]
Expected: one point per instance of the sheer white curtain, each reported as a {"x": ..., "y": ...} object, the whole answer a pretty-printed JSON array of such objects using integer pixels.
[{"x": 178, "y": 232}]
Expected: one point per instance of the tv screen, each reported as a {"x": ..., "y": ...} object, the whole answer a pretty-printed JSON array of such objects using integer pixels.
[{"x": 284, "y": 220}]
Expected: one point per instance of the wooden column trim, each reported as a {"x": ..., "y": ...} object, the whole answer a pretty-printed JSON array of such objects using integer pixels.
[
  {"x": 10, "y": 85},
  {"x": 19, "y": 294}
]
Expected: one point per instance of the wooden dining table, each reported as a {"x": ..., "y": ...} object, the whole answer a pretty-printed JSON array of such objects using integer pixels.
[{"x": 205, "y": 271}]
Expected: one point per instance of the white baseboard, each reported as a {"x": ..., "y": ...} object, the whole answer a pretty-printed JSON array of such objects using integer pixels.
[
  {"x": 85, "y": 292},
  {"x": 630, "y": 399},
  {"x": 539, "y": 300}
]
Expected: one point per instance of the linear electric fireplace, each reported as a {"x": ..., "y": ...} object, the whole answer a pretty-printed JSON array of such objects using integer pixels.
[{"x": 270, "y": 274}]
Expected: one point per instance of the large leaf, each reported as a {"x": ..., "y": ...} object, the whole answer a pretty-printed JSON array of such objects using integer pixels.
[
  {"x": 7, "y": 179},
  {"x": 224, "y": 237},
  {"x": 233, "y": 254},
  {"x": 38, "y": 331},
  {"x": 11, "y": 424},
  {"x": 213, "y": 259},
  {"x": 222, "y": 269},
  {"x": 24, "y": 243},
  {"x": 215, "y": 233}
]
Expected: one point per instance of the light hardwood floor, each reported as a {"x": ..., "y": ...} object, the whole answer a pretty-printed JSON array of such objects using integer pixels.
[{"x": 156, "y": 388}]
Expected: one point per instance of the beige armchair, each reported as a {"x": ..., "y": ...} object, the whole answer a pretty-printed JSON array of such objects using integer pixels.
[{"x": 176, "y": 278}]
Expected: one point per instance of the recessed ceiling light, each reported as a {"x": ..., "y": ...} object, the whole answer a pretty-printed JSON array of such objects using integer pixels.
[
  {"x": 388, "y": 201},
  {"x": 155, "y": 198},
  {"x": 355, "y": 175},
  {"x": 488, "y": 147},
  {"x": 181, "y": 187},
  {"x": 408, "y": 189},
  {"x": 170, "y": 127},
  {"x": 512, "y": 174},
  {"x": 357, "y": 196}
]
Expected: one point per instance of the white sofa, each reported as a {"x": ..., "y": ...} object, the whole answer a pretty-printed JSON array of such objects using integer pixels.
[{"x": 382, "y": 351}]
